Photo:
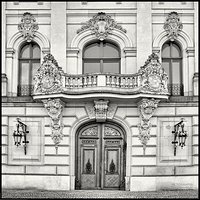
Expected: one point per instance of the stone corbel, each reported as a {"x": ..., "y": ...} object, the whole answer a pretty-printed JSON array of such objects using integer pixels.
[
  {"x": 54, "y": 108},
  {"x": 146, "y": 109}
]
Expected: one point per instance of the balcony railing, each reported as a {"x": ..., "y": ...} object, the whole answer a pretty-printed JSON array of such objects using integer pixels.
[
  {"x": 175, "y": 89},
  {"x": 25, "y": 90},
  {"x": 150, "y": 80}
]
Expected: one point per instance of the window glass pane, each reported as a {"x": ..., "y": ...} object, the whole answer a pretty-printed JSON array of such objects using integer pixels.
[
  {"x": 176, "y": 71},
  {"x": 111, "y": 67},
  {"x": 24, "y": 69},
  {"x": 165, "y": 65},
  {"x": 36, "y": 51},
  {"x": 25, "y": 51},
  {"x": 91, "y": 67},
  {"x": 110, "y": 51},
  {"x": 92, "y": 51},
  {"x": 166, "y": 51},
  {"x": 35, "y": 67},
  {"x": 175, "y": 51}
]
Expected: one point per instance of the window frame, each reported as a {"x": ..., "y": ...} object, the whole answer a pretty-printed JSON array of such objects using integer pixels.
[
  {"x": 30, "y": 62},
  {"x": 101, "y": 59},
  {"x": 170, "y": 61}
]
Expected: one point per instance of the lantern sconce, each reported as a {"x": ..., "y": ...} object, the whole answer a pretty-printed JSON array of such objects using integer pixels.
[
  {"x": 180, "y": 134},
  {"x": 20, "y": 133}
]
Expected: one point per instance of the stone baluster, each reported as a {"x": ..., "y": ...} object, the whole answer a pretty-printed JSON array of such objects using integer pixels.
[
  {"x": 122, "y": 82},
  {"x": 76, "y": 82},
  {"x": 117, "y": 81},
  {"x": 126, "y": 82},
  {"x": 85, "y": 81},
  {"x": 71, "y": 82},
  {"x": 94, "y": 80},
  {"x": 108, "y": 80},
  {"x": 113, "y": 81},
  {"x": 67, "y": 82},
  {"x": 135, "y": 81},
  {"x": 80, "y": 85},
  {"x": 131, "y": 82},
  {"x": 89, "y": 80}
]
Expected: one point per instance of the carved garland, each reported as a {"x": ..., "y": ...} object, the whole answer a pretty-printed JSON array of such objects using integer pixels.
[
  {"x": 101, "y": 24},
  {"x": 49, "y": 78},
  {"x": 54, "y": 108},
  {"x": 153, "y": 76},
  {"x": 146, "y": 108},
  {"x": 173, "y": 25},
  {"x": 28, "y": 26}
]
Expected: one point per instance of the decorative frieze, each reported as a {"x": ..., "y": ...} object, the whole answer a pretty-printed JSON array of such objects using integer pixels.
[
  {"x": 49, "y": 78},
  {"x": 101, "y": 24},
  {"x": 153, "y": 76},
  {"x": 28, "y": 26},
  {"x": 90, "y": 132},
  {"x": 111, "y": 132},
  {"x": 146, "y": 108},
  {"x": 54, "y": 108},
  {"x": 173, "y": 25}
]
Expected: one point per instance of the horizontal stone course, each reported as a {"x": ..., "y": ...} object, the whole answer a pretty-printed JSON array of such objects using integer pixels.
[
  {"x": 62, "y": 169},
  {"x": 13, "y": 111},
  {"x": 56, "y": 160},
  {"x": 41, "y": 169},
  {"x": 187, "y": 170},
  {"x": 41, "y": 111},
  {"x": 169, "y": 170},
  {"x": 4, "y": 120},
  {"x": 164, "y": 111},
  {"x": 143, "y": 160},
  {"x": 186, "y": 110},
  {"x": 136, "y": 170},
  {"x": 12, "y": 169}
]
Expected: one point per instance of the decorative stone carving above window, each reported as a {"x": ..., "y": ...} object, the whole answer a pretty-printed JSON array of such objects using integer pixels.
[
  {"x": 173, "y": 25},
  {"x": 111, "y": 132},
  {"x": 101, "y": 24},
  {"x": 101, "y": 108},
  {"x": 54, "y": 108},
  {"x": 28, "y": 26},
  {"x": 49, "y": 78},
  {"x": 146, "y": 108},
  {"x": 90, "y": 131},
  {"x": 153, "y": 76}
]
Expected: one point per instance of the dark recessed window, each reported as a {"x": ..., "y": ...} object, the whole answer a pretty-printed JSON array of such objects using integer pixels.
[
  {"x": 29, "y": 62},
  {"x": 172, "y": 63},
  {"x": 101, "y": 57}
]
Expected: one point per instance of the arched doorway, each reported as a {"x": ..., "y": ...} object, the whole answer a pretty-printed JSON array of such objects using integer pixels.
[{"x": 100, "y": 156}]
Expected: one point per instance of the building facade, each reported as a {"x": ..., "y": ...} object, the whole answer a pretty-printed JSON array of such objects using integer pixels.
[{"x": 100, "y": 95}]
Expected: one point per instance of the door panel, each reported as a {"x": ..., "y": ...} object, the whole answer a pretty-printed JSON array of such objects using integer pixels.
[{"x": 100, "y": 157}]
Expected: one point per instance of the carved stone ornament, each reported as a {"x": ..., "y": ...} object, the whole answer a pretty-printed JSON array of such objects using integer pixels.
[
  {"x": 92, "y": 114},
  {"x": 28, "y": 26},
  {"x": 146, "y": 108},
  {"x": 49, "y": 78},
  {"x": 153, "y": 76},
  {"x": 54, "y": 108},
  {"x": 173, "y": 25},
  {"x": 90, "y": 132},
  {"x": 101, "y": 24},
  {"x": 101, "y": 108},
  {"x": 111, "y": 132}
]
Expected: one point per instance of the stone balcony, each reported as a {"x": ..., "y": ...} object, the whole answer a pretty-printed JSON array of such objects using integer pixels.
[{"x": 52, "y": 82}]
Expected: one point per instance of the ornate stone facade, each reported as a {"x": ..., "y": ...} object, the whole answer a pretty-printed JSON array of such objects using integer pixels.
[
  {"x": 49, "y": 77},
  {"x": 173, "y": 25},
  {"x": 101, "y": 24},
  {"x": 153, "y": 77},
  {"x": 146, "y": 108},
  {"x": 28, "y": 26},
  {"x": 54, "y": 108}
]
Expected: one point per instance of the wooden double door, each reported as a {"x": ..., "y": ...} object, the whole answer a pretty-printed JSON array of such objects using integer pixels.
[{"x": 100, "y": 157}]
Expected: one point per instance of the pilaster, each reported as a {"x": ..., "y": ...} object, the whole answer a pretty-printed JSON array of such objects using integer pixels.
[
  {"x": 58, "y": 32},
  {"x": 144, "y": 32}
]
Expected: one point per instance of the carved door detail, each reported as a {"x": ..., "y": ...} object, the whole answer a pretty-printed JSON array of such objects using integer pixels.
[{"x": 100, "y": 157}]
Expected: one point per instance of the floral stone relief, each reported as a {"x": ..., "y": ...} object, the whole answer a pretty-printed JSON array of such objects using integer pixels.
[
  {"x": 54, "y": 108},
  {"x": 146, "y": 108},
  {"x": 28, "y": 26},
  {"x": 173, "y": 25},
  {"x": 101, "y": 24}
]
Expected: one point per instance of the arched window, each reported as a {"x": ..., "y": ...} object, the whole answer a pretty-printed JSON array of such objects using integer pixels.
[
  {"x": 101, "y": 57},
  {"x": 172, "y": 63},
  {"x": 29, "y": 62}
]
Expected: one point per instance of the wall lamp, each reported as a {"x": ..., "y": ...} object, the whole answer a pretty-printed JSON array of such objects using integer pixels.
[
  {"x": 20, "y": 134},
  {"x": 180, "y": 135}
]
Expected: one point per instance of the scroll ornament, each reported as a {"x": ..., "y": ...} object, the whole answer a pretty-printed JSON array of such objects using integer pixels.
[
  {"x": 54, "y": 108},
  {"x": 153, "y": 76},
  {"x": 173, "y": 25},
  {"x": 146, "y": 108},
  {"x": 49, "y": 78},
  {"x": 101, "y": 24},
  {"x": 28, "y": 26}
]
